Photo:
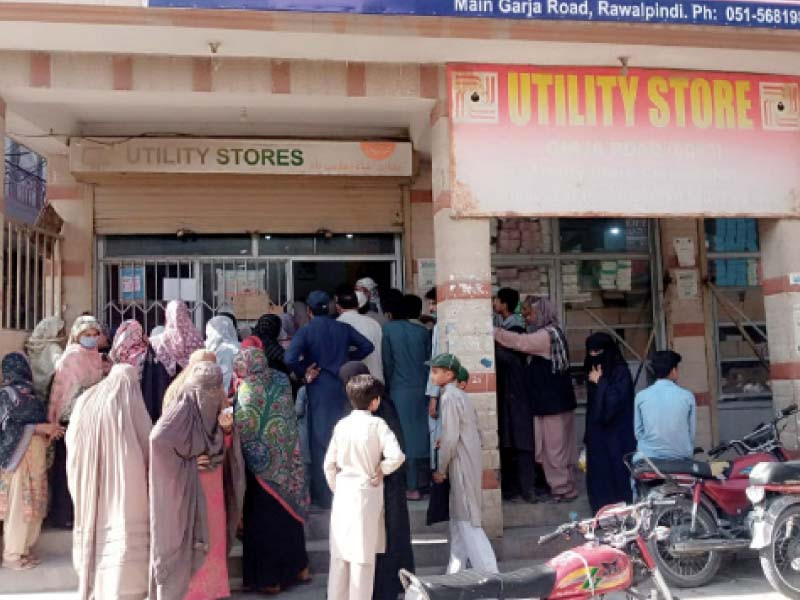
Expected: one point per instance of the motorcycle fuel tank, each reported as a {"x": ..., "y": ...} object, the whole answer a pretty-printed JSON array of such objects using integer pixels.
[
  {"x": 589, "y": 570},
  {"x": 729, "y": 494}
]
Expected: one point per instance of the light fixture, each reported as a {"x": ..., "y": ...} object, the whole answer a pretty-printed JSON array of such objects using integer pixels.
[
  {"x": 267, "y": 237},
  {"x": 349, "y": 236},
  {"x": 615, "y": 231}
]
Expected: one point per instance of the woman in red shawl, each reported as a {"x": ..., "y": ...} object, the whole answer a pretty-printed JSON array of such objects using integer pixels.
[{"x": 168, "y": 355}]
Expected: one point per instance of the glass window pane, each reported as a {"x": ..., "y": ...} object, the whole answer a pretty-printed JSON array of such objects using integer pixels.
[
  {"x": 522, "y": 236},
  {"x": 170, "y": 245},
  {"x": 533, "y": 280},
  {"x": 279, "y": 245},
  {"x": 735, "y": 272},
  {"x": 749, "y": 301},
  {"x": 356, "y": 244},
  {"x": 604, "y": 235},
  {"x": 732, "y": 235}
]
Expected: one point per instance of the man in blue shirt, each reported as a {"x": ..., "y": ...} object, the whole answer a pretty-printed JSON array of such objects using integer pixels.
[{"x": 664, "y": 420}]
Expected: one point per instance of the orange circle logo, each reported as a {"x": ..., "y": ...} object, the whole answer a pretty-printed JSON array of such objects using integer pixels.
[{"x": 378, "y": 150}]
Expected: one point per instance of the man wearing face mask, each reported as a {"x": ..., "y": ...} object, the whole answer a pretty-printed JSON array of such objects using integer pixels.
[
  {"x": 369, "y": 301},
  {"x": 609, "y": 422}
]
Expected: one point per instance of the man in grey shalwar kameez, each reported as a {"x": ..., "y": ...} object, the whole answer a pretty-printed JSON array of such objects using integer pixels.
[{"x": 460, "y": 460}]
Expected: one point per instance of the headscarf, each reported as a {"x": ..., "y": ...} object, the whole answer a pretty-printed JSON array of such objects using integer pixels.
[
  {"x": 179, "y": 533},
  {"x": 19, "y": 407},
  {"x": 374, "y": 297},
  {"x": 610, "y": 357},
  {"x": 180, "y": 338},
  {"x": 268, "y": 329},
  {"x": 546, "y": 317},
  {"x": 252, "y": 341},
  {"x": 177, "y": 384},
  {"x": 107, "y": 451},
  {"x": 81, "y": 325},
  {"x": 223, "y": 341},
  {"x": 44, "y": 348},
  {"x": 77, "y": 370},
  {"x": 267, "y": 426},
  {"x": 129, "y": 346}
]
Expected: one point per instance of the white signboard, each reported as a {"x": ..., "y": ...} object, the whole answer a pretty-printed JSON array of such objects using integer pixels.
[
  {"x": 254, "y": 157},
  {"x": 180, "y": 289}
]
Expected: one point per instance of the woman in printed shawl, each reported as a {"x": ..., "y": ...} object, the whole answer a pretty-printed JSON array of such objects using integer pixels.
[
  {"x": 44, "y": 348},
  {"x": 187, "y": 506},
  {"x": 399, "y": 554},
  {"x": 277, "y": 498},
  {"x": 79, "y": 368},
  {"x": 24, "y": 433},
  {"x": 168, "y": 355},
  {"x": 107, "y": 455},
  {"x": 130, "y": 345},
  {"x": 223, "y": 341}
]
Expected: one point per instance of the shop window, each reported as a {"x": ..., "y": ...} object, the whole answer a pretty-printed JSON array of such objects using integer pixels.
[
  {"x": 327, "y": 245},
  {"x": 734, "y": 268},
  {"x": 188, "y": 244},
  {"x": 604, "y": 235}
]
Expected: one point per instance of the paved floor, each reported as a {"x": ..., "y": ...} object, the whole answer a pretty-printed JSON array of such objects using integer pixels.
[{"x": 741, "y": 579}]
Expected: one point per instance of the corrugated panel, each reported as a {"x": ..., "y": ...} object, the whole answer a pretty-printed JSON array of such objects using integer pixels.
[{"x": 278, "y": 206}]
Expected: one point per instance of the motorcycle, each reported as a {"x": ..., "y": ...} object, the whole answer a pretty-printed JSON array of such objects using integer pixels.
[
  {"x": 616, "y": 558},
  {"x": 710, "y": 516},
  {"x": 775, "y": 523}
]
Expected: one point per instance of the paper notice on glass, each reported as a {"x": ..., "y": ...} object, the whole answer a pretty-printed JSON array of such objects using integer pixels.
[
  {"x": 426, "y": 273},
  {"x": 796, "y": 321},
  {"x": 179, "y": 289},
  {"x": 684, "y": 250},
  {"x": 686, "y": 282}
]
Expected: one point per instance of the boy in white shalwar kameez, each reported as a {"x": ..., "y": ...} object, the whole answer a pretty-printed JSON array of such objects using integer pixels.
[
  {"x": 460, "y": 460},
  {"x": 362, "y": 451}
]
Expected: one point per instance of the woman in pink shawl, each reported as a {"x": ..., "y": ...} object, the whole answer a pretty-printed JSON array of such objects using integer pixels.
[
  {"x": 168, "y": 355},
  {"x": 78, "y": 369}
]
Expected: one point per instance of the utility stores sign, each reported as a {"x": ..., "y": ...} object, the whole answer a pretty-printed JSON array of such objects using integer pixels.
[
  {"x": 253, "y": 157},
  {"x": 577, "y": 141},
  {"x": 736, "y": 13}
]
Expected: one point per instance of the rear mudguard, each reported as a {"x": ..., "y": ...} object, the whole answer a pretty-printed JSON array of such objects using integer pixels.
[{"x": 766, "y": 520}]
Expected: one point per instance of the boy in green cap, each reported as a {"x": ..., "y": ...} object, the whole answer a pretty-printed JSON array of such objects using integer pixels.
[
  {"x": 462, "y": 378},
  {"x": 460, "y": 461}
]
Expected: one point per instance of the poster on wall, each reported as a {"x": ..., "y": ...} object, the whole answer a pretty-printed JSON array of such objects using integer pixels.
[
  {"x": 131, "y": 284},
  {"x": 574, "y": 141},
  {"x": 738, "y": 13}
]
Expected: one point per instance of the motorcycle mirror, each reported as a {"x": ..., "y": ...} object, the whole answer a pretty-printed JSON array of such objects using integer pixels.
[
  {"x": 792, "y": 408},
  {"x": 698, "y": 450}
]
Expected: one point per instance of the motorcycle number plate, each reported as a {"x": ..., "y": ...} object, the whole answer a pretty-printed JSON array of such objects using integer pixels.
[{"x": 760, "y": 536}]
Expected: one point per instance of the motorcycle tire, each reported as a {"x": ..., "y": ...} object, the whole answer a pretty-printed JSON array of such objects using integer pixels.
[
  {"x": 689, "y": 571},
  {"x": 774, "y": 557}
]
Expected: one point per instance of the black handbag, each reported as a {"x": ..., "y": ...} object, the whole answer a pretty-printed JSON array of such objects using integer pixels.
[{"x": 439, "y": 502}]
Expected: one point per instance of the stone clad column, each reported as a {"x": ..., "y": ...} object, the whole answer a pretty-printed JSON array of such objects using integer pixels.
[
  {"x": 2, "y": 209},
  {"x": 780, "y": 259},
  {"x": 463, "y": 283}
]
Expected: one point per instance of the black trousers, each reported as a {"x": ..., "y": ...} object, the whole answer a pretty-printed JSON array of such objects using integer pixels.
[{"x": 517, "y": 471}]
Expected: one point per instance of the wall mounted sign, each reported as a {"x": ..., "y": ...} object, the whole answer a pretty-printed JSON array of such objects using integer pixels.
[
  {"x": 573, "y": 141},
  {"x": 255, "y": 157},
  {"x": 779, "y": 15}
]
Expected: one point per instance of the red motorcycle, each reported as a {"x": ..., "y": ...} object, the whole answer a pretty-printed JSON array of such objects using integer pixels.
[
  {"x": 710, "y": 515},
  {"x": 616, "y": 558}
]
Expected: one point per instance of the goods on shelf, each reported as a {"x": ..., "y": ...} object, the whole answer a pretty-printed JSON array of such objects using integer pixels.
[
  {"x": 521, "y": 236},
  {"x": 528, "y": 281}
]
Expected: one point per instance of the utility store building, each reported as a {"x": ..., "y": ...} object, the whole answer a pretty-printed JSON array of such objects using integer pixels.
[{"x": 641, "y": 170}]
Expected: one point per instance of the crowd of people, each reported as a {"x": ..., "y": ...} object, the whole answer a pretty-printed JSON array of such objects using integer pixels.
[{"x": 159, "y": 451}]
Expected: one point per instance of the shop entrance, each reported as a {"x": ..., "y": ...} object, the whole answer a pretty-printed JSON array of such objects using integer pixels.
[{"x": 138, "y": 275}]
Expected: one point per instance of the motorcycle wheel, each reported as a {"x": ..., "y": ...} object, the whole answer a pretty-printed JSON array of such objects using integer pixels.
[
  {"x": 687, "y": 571},
  {"x": 777, "y": 557}
]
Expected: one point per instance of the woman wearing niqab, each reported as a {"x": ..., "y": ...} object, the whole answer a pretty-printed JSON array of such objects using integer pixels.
[
  {"x": 78, "y": 369},
  {"x": 107, "y": 451},
  {"x": 187, "y": 515},
  {"x": 399, "y": 554},
  {"x": 44, "y": 348},
  {"x": 168, "y": 355},
  {"x": 24, "y": 433}
]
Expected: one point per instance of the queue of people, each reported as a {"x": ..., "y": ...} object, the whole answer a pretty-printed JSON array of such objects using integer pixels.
[{"x": 176, "y": 444}]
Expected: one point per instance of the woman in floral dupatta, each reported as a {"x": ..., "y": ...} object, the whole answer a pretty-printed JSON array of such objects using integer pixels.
[
  {"x": 276, "y": 499},
  {"x": 23, "y": 474}
]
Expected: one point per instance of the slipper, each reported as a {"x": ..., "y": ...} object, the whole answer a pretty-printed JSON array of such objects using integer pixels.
[
  {"x": 270, "y": 591},
  {"x": 19, "y": 565},
  {"x": 34, "y": 560},
  {"x": 304, "y": 577},
  {"x": 563, "y": 499}
]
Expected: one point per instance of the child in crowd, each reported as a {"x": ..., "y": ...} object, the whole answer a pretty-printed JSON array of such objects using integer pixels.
[
  {"x": 460, "y": 461},
  {"x": 462, "y": 378},
  {"x": 362, "y": 451}
]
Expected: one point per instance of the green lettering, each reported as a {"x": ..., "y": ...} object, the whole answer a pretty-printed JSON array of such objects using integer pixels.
[
  {"x": 297, "y": 158},
  {"x": 252, "y": 156},
  {"x": 268, "y": 157},
  {"x": 283, "y": 157},
  {"x": 237, "y": 155},
  {"x": 222, "y": 157}
]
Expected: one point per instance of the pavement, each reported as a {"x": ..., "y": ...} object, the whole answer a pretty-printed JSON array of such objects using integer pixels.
[{"x": 740, "y": 578}]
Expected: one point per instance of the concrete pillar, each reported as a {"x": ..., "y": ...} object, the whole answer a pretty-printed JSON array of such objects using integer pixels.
[
  {"x": 2, "y": 208},
  {"x": 463, "y": 282},
  {"x": 74, "y": 202},
  {"x": 687, "y": 327},
  {"x": 780, "y": 259}
]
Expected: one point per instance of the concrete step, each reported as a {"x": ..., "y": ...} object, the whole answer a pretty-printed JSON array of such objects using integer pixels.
[{"x": 55, "y": 574}]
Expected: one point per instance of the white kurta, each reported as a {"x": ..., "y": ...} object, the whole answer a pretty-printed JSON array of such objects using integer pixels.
[
  {"x": 371, "y": 330},
  {"x": 353, "y": 458},
  {"x": 460, "y": 454}
]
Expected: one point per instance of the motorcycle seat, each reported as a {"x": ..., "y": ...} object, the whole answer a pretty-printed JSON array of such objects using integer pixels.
[
  {"x": 775, "y": 472},
  {"x": 530, "y": 582},
  {"x": 701, "y": 470}
]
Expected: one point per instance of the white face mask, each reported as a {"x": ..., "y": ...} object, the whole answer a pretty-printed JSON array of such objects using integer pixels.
[{"x": 362, "y": 298}]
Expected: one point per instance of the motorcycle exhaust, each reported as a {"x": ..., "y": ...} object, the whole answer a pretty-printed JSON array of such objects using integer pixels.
[{"x": 709, "y": 545}]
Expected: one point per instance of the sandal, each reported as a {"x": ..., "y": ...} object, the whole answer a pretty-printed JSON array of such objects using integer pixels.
[
  {"x": 270, "y": 591},
  {"x": 304, "y": 577},
  {"x": 19, "y": 565},
  {"x": 33, "y": 559},
  {"x": 563, "y": 499}
]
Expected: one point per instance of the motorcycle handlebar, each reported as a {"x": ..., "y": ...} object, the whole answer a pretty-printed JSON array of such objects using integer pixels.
[
  {"x": 550, "y": 536},
  {"x": 789, "y": 410}
]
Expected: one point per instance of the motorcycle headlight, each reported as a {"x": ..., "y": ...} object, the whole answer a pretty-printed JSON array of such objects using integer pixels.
[{"x": 755, "y": 494}]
